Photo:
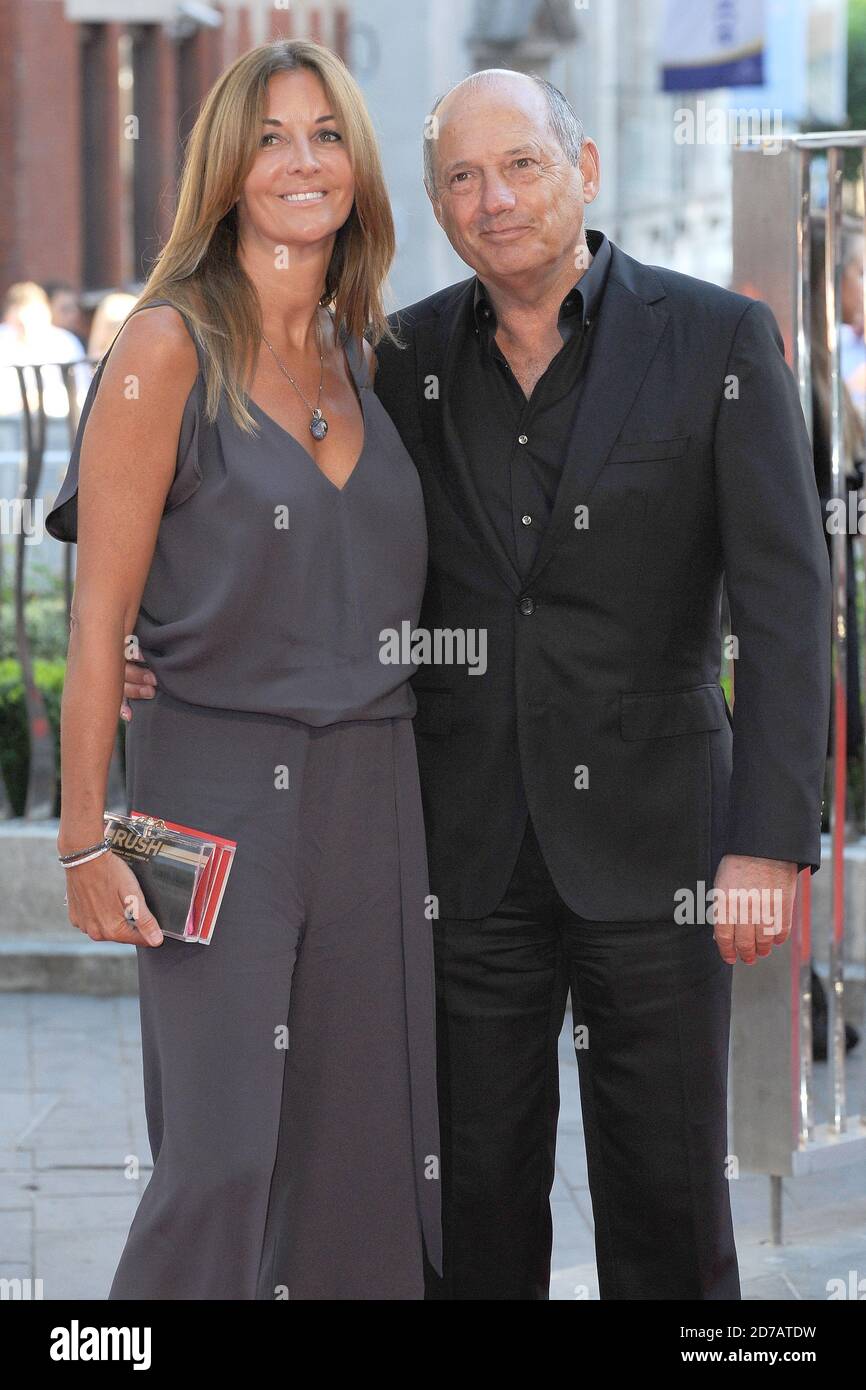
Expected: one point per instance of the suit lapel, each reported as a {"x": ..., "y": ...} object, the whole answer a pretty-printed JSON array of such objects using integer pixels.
[
  {"x": 438, "y": 344},
  {"x": 629, "y": 327}
]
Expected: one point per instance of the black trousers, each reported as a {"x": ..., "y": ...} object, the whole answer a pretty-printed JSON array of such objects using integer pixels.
[{"x": 651, "y": 1012}]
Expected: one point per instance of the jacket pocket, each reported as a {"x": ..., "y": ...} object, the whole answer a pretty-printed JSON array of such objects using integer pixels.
[
  {"x": 646, "y": 450},
  {"x": 435, "y": 711},
  {"x": 663, "y": 713}
]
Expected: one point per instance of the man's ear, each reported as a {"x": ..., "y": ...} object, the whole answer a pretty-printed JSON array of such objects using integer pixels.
[{"x": 590, "y": 167}]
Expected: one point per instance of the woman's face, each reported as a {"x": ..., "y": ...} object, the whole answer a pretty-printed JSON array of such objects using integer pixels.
[{"x": 300, "y": 189}]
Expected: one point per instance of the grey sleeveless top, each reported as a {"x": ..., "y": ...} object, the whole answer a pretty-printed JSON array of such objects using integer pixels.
[{"x": 271, "y": 589}]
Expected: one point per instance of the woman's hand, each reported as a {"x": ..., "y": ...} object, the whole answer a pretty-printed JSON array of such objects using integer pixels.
[
  {"x": 105, "y": 897},
  {"x": 139, "y": 683}
]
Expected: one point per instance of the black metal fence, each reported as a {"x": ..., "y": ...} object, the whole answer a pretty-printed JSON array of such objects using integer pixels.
[{"x": 17, "y": 514}]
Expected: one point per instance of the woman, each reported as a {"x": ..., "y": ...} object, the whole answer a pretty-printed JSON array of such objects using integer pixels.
[{"x": 248, "y": 511}]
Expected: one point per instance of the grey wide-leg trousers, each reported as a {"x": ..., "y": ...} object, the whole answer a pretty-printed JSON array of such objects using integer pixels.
[{"x": 289, "y": 1066}]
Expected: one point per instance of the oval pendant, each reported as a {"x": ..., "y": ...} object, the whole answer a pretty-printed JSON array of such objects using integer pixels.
[{"x": 318, "y": 425}]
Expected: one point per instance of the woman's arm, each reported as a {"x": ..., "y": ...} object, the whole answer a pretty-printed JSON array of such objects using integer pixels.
[{"x": 126, "y": 467}]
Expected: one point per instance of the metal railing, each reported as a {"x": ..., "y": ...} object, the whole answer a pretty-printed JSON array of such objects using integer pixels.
[
  {"x": 773, "y": 1109},
  {"x": 42, "y": 770}
]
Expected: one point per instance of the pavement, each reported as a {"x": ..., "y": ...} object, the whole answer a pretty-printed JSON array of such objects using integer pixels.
[
  {"x": 74, "y": 1160},
  {"x": 823, "y": 1214}
]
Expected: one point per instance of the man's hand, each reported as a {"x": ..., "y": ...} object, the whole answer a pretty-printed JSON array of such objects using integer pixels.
[
  {"x": 139, "y": 683},
  {"x": 754, "y": 899}
]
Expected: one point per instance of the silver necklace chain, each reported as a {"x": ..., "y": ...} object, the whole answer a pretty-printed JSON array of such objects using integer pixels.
[{"x": 318, "y": 423}]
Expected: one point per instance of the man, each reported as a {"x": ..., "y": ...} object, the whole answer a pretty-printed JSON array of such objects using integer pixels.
[
  {"x": 599, "y": 441},
  {"x": 65, "y": 307}
]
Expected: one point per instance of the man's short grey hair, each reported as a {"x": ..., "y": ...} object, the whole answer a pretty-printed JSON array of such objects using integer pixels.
[{"x": 563, "y": 120}]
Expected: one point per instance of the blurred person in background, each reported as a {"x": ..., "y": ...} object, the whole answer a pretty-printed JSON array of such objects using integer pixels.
[
  {"x": 851, "y": 344},
  {"x": 29, "y": 338},
  {"x": 65, "y": 307},
  {"x": 110, "y": 313}
]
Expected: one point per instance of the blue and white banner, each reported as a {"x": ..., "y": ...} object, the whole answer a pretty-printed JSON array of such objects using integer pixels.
[{"x": 712, "y": 43}]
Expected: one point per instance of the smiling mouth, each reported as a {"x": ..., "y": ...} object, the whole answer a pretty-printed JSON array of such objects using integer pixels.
[
  {"x": 313, "y": 197},
  {"x": 504, "y": 231}
]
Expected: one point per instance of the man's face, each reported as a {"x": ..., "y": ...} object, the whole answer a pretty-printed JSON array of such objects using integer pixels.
[
  {"x": 508, "y": 199},
  {"x": 64, "y": 310}
]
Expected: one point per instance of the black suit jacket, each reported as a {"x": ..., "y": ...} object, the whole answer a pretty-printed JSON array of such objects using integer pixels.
[{"x": 690, "y": 453}]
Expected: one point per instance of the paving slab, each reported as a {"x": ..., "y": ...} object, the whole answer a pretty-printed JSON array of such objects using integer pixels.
[{"x": 72, "y": 1111}]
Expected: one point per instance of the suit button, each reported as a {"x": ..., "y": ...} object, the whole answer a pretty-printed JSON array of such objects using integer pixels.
[{"x": 527, "y": 605}]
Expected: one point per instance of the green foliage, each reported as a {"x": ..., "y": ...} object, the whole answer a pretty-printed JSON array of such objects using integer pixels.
[
  {"x": 857, "y": 64},
  {"x": 44, "y": 610},
  {"x": 14, "y": 737},
  {"x": 728, "y": 686},
  {"x": 47, "y": 626},
  {"x": 856, "y": 78}
]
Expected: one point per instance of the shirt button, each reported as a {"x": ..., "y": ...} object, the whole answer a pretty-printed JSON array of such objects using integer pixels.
[
  {"x": 527, "y": 605},
  {"x": 523, "y": 439},
  {"x": 527, "y": 520}
]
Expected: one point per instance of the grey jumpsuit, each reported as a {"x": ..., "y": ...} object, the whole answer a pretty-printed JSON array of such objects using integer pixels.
[{"x": 289, "y": 1066}]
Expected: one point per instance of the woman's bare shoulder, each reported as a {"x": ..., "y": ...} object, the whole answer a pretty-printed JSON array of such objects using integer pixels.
[{"x": 154, "y": 344}]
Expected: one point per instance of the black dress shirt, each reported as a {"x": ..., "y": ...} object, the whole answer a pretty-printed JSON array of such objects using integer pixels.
[{"x": 515, "y": 446}]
